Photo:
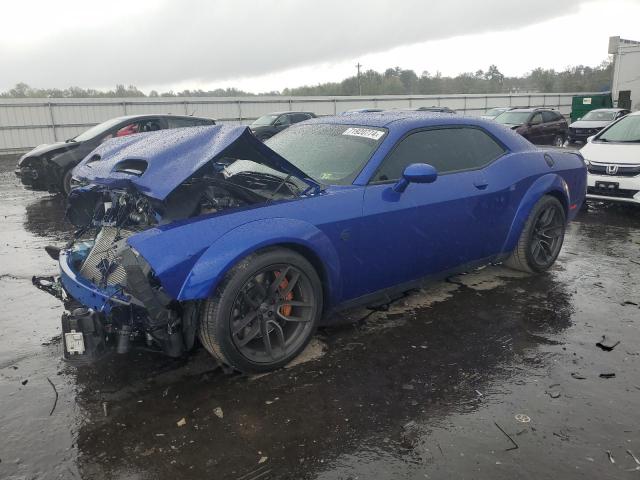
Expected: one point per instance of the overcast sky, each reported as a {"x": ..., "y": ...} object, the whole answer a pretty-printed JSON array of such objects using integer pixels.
[{"x": 263, "y": 45}]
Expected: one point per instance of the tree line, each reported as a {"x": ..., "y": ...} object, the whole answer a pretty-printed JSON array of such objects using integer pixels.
[{"x": 393, "y": 81}]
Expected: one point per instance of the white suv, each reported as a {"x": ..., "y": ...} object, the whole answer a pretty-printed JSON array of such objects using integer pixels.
[{"x": 613, "y": 160}]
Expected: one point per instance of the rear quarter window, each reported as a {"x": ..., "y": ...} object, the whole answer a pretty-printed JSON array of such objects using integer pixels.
[
  {"x": 177, "y": 122},
  {"x": 447, "y": 149}
]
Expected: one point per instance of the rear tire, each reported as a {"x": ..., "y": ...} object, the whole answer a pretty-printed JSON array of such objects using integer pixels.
[
  {"x": 541, "y": 238},
  {"x": 558, "y": 141},
  {"x": 264, "y": 312}
]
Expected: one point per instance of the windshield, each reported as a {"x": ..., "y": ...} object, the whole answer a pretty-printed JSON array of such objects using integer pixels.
[
  {"x": 494, "y": 112},
  {"x": 265, "y": 120},
  {"x": 626, "y": 130},
  {"x": 513, "y": 118},
  {"x": 98, "y": 130},
  {"x": 332, "y": 154},
  {"x": 599, "y": 116}
]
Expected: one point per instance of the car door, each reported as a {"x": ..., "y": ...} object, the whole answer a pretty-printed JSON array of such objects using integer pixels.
[
  {"x": 299, "y": 117},
  {"x": 282, "y": 122},
  {"x": 430, "y": 228},
  {"x": 550, "y": 127},
  {"x": 536, "y": 133}
]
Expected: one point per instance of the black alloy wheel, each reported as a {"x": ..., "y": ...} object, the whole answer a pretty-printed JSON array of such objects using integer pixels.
[
  {"x": 547, "y": 235},
  {"x": 541, "y": 238},
  {"x": 273, "y": 313},
  {"x": 264, "y": 312}
]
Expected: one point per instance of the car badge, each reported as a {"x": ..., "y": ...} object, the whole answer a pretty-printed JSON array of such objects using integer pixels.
[{"x": 612, "y": 169}]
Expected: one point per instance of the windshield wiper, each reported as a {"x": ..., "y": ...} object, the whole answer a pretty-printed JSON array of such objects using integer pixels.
[
  {"x": 272, "y": 177},
  {"x": 284, "y": 180},
  {"x": 70, "y": 140}
]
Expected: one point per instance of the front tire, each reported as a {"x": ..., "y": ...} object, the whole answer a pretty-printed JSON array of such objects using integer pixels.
[
  {"x": 541, "y": 238},
  {"x": 65, "y": 187},
  {"x": 264, "y": 313}
]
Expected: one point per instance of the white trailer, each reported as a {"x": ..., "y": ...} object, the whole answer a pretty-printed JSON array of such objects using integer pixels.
[{"x": 625, "y": 88}]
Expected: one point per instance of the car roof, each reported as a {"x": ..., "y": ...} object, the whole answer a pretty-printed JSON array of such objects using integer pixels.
[
  {"x": 402, "y": 120},
  {"x": 156, "y": 115},
  {"x": 289, "y": 111},
  {"x": 608, "y": 110},
  {"x": 533, "y": 109}
]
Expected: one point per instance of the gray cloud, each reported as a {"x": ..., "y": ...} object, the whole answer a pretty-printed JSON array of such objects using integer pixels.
[{"x": 209, "y": 41}]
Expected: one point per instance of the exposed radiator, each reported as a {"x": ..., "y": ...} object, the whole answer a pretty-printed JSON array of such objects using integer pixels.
[{"x": 102, "y": 258}]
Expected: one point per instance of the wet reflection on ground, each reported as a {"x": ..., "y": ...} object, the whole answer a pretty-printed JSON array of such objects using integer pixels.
[{"x": 413, "y": 392}]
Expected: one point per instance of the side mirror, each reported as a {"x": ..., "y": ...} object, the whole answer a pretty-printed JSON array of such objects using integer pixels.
[
  {"x": 590, "y": 139},
  {"x": 416, "y": 173}
]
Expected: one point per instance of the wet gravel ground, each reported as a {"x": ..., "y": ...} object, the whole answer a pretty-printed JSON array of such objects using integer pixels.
[{"x": 445, "y": 384}]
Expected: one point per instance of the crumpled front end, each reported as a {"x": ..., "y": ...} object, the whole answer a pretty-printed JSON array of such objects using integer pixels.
[
  {"x": 113, "y": 301},
  {"x": 137, "y": 208}
]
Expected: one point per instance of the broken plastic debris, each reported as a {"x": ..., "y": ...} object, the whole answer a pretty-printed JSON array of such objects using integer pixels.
[
  {"x": 607, "y": 375},
  {"x": 610, "y": 457},
  {"x": 635, "y": 459},
  {"x": 218, "y": 412},
  {"x": 522, "y": 418},
  {"x": 262, "y": 460},
  {"x": 607, "y": 344},
  {"x": 182, "y": 422},
  {"x": 577, "y": 376}
]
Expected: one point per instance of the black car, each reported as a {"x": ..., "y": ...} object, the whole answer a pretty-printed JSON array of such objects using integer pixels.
[
  {"x": 48, "y": 167},
  {"x": 541, "y": 126},
  {"x": 433, "y": 109},
  {"x": 268, "y": 125}
]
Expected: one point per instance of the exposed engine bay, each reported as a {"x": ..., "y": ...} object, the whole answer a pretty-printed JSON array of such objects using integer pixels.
[{"x": 139, "y": 310}]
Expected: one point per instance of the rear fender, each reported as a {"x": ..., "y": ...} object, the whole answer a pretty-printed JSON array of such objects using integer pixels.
[
  {"x": 549, "y": 184},
  {"x": 229, "y": 249}
]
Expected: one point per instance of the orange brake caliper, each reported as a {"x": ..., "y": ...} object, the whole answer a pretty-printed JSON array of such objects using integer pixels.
[{"x": 285, "y": 309}]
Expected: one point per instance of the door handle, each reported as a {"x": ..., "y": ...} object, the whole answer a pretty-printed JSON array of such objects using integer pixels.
[{"x": 480, "y": 184}]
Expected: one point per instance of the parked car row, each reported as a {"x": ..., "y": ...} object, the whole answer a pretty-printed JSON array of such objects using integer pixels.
[
  {"x": 267, "y": 239},
  {"x": 49, "y": 167},
  {"x": 541, "y": 126}
]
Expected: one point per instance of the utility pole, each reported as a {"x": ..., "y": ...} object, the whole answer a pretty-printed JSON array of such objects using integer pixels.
[{"x": 359, "y": 85}]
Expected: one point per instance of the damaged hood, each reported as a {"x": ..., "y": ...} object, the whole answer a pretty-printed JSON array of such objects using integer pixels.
[{"x": 158, "y": 162}]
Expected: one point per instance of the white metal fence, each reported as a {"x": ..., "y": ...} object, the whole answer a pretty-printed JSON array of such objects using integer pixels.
[{"x": 25, "y": 123}]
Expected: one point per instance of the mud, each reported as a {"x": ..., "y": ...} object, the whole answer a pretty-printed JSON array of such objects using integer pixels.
[{"x": 421, "y": 390}]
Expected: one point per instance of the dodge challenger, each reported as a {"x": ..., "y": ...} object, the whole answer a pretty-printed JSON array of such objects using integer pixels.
[{"x": 207, "y": 233}]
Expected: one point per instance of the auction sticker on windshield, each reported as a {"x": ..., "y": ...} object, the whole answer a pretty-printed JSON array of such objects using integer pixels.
[{"x": 364, "y": 132}]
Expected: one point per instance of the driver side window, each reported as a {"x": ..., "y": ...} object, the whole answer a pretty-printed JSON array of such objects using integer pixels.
[
  {"x": 536, "y": 119},
  {"x": 282, "y": 121},
  {"x": 446, "y": 149}
]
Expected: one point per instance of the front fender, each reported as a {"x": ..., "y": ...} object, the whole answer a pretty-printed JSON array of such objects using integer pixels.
[
  {"x": 245, "y": 239},
  {"x": 550, "y": 183}
]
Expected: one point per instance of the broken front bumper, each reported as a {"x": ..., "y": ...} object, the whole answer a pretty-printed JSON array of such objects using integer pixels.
[{"x": 100, "y": 299}]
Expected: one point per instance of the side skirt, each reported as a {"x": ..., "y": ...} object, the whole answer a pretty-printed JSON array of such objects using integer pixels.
[{"x": 390, "y": 294}]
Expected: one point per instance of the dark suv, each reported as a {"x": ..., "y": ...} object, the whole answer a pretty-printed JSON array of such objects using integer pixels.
[
  {"x": 48, "y": 167},
  {"x": 268, "y": 125},
  {"x": 541, "y": 126}
]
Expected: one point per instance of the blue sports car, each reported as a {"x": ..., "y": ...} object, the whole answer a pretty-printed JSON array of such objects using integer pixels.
[{"x": 208, "y": 233}]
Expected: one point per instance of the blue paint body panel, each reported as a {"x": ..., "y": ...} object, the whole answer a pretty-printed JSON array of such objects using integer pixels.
[{"x": 364, "y": 238}]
